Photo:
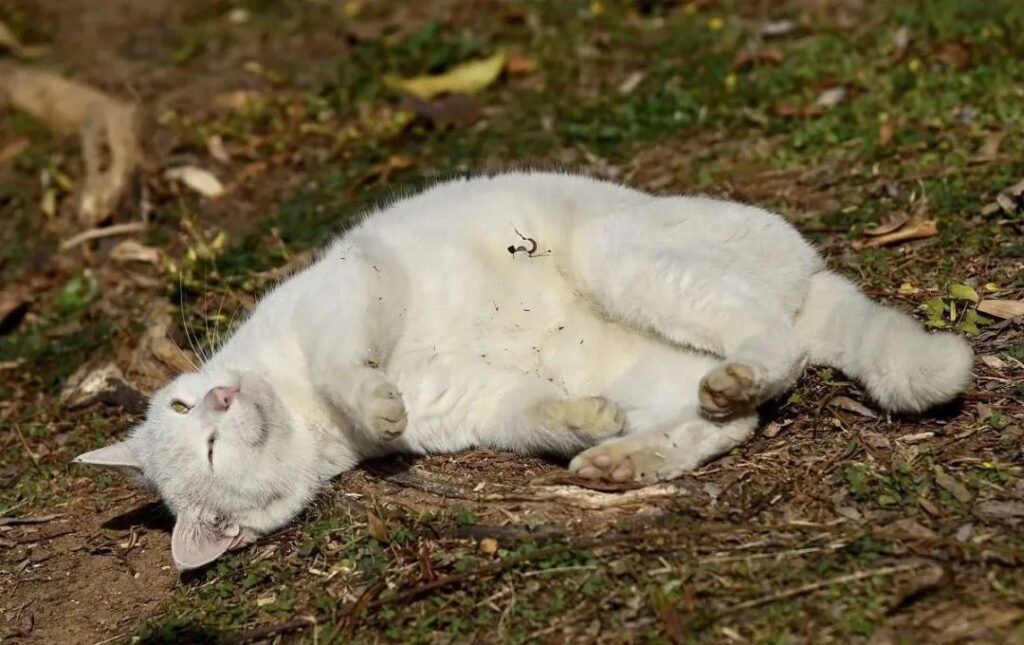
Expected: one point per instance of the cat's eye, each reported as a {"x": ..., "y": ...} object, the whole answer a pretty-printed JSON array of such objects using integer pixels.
[{"x": 180, "y": 406}]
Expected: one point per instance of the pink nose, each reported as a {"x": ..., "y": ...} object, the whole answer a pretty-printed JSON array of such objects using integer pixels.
[{"x": 220, "y": 398}]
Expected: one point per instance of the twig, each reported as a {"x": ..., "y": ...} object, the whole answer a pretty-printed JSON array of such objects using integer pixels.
[
  {"x": 106, "y": 231},
  {"x": 39, "y": 519},
  {"x": 810, "y": 587}
]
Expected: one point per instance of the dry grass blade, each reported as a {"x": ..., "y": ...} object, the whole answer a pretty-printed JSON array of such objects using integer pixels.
[{"x": 108, "y": 128}]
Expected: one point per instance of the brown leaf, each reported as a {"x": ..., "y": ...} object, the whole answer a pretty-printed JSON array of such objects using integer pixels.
[
  {"x": 376, "y": 527},
  {"x": 850, "y": 405},
  {"x": 914, "y": 229},
  {"x": 109, "y": 130},
  {"x": 451, "y": 110},
  {"x": 907, "y": 529},
  {"x": 132, "y": 251},
  {"x": 953, "y": 54},
  {"x": 952, "y": 485},
  {"x": 893, "y": 223},
  {"x": 1002, "y": 308},
  {"x": 900, "y": 44},
  {"x": 752, "y": 57},
  {"x": 517, "y": 64},
  {"x": 236, "y": 99},
  {"x": 671, "y": 621},
  {"x": 990, "y": 146},
  {"x": 886, "y": 130},
  {"x": 995, "y": 509},
  {"x": 14, "y": 304}
]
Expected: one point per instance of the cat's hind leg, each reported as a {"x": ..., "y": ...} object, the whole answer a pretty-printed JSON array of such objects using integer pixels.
[
  {"x": 704, "y": 299},
  {"x": 660, "y": 455}
]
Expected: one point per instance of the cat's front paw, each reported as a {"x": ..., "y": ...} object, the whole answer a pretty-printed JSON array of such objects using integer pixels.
[
  {"x": 383, "y": 410},
  {"x": 594, "y": 417},
  {"x": 729, "y": 390}
]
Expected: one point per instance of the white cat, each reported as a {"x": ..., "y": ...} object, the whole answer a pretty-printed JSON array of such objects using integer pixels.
[{"x": 541, "y": 313}]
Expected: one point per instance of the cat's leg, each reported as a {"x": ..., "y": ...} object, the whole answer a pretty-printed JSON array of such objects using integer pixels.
[
  {"x": 459, "y": 403},
  {"x": 659, "y": 455},
  {"x": 699, "y": 299}
]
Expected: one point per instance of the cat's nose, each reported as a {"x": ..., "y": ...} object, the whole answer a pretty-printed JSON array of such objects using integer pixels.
[{"x": 220, "y": 398}]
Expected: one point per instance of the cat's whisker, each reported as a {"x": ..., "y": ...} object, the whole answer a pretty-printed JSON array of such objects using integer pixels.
[
  {"x": 184, "y": 321},
  {"x": 182, "y": 352},
  {"x": 216, "y": 320}
]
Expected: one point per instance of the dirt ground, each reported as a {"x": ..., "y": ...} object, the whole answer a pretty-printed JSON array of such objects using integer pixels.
[{"x": 888, "y": 133}]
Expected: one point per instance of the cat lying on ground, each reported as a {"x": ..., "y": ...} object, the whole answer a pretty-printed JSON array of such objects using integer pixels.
[{"x": 540, "y": 313}]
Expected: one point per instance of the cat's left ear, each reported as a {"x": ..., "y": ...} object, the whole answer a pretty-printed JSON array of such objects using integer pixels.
[
  {"x": 118, "y": 456},
  {"x": 195, "y": 542}
]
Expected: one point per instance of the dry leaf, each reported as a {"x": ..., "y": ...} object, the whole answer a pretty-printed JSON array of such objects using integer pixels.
[
  {"x": 132, "y": 251},
  {"x": 108, "y": 128},
  {"x": 993, "y": 362},
  {"x": 886, "y": 131},
  {"x": 520, "y": 64},
  {"x": 13, "y": 149},
  {"x": 893, "y": 223},
  {"x": 467, "y": 78},
  {"x": 376, "y": 527},
  {"x": 900, "y": 44},
  {"x": 831, "y": 97},
  {"x": 236, "y": 99},
  {"x": 202, "y": 181},
  {"x": 952, "y": 485},
  {"x": 1002, "y": 308},
  {"x": 458, "y": 110},
  {"x": 752, "y": 57},
  {"x": 11, "y": 43},
  {"x": 914, "y": 229},
  {"x": 990, "y": 146},
  {"x": 215, "y": 146},
  {"x": 631, "y": 82},
  {"x": 998, "y": 510},
  {"x": 850, "y": 405},
  {"x": 777, "y": 28},
  {"x": 955, "y": 55}
]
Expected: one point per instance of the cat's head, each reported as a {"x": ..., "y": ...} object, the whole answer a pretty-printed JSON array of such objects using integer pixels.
[{"x": 227, "y": 456}]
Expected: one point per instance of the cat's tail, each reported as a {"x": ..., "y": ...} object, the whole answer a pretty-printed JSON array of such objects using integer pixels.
[{"x": 904, "y": 367}]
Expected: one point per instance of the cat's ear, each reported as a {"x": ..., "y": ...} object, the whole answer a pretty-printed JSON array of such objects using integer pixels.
[
  {"x": 118, "y": 456},
  {"x": 195, "y": 543}
]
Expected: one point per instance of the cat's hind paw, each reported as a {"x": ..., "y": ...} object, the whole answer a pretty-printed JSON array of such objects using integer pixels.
[
  {"x": 594, "y": 417},
  {"x": 624, "y": 460},
  {"x": 729, "y": 390}
]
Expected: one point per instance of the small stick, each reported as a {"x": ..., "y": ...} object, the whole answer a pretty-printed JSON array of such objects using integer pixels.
[{"x": 106, "y": 231}]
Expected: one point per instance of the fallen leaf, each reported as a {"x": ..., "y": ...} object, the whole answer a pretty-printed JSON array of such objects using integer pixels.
[
  {"x": 11, "y": 43},
  {"x": 953, "y": 54},
  {"x": 1002, "y": 308},
  {"x": 467, "y": 78},
  {"x": 914, "y": 229},
  {"x": 104, "y": 384},
  {"x": 850, "y": 405},
  {"x": 752, "y": 57},
  {"x": 215, "y": 146},
  {"x": 995, "y": 509},
  {"x": 831, "y": 97},
  {"x": 991, "y": 361},
  {"x": 777, "y": 28},
  {"x": 631, "y": 82},
  {"x": 263, "y": 601},
  {"x": 893, "y": 223},
  {"x": 900, "y": 44},
  {"x": 13, "y": 149},
  {"x": 132, "y": 251},
  {"x": 886, "y": 131},
  {"x": 202, "y": 181},
  {"x": 907, "y": 528},
  {"x": 520, "y": 64},
  {"x": 957, "y": 623},
  {"x": 108, "y": 127},
  {"x": 376, "y": 527},
  {"x": 236, "y": 99},
  {"x": 451, "y": 110},
  {"x": 990, "y": 145},
  {"x": 952, "y": 485},
  {"x": 963, "y": 292}
]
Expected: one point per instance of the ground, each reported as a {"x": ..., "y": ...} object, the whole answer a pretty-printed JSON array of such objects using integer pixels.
[{"x": 836, "y": 523}]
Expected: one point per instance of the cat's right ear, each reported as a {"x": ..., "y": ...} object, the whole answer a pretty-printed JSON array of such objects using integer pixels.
[{"x": 118, "y": 456}]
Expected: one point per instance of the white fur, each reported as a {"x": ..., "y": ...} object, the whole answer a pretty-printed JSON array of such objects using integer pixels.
[{"x": 418, "y": 331}]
